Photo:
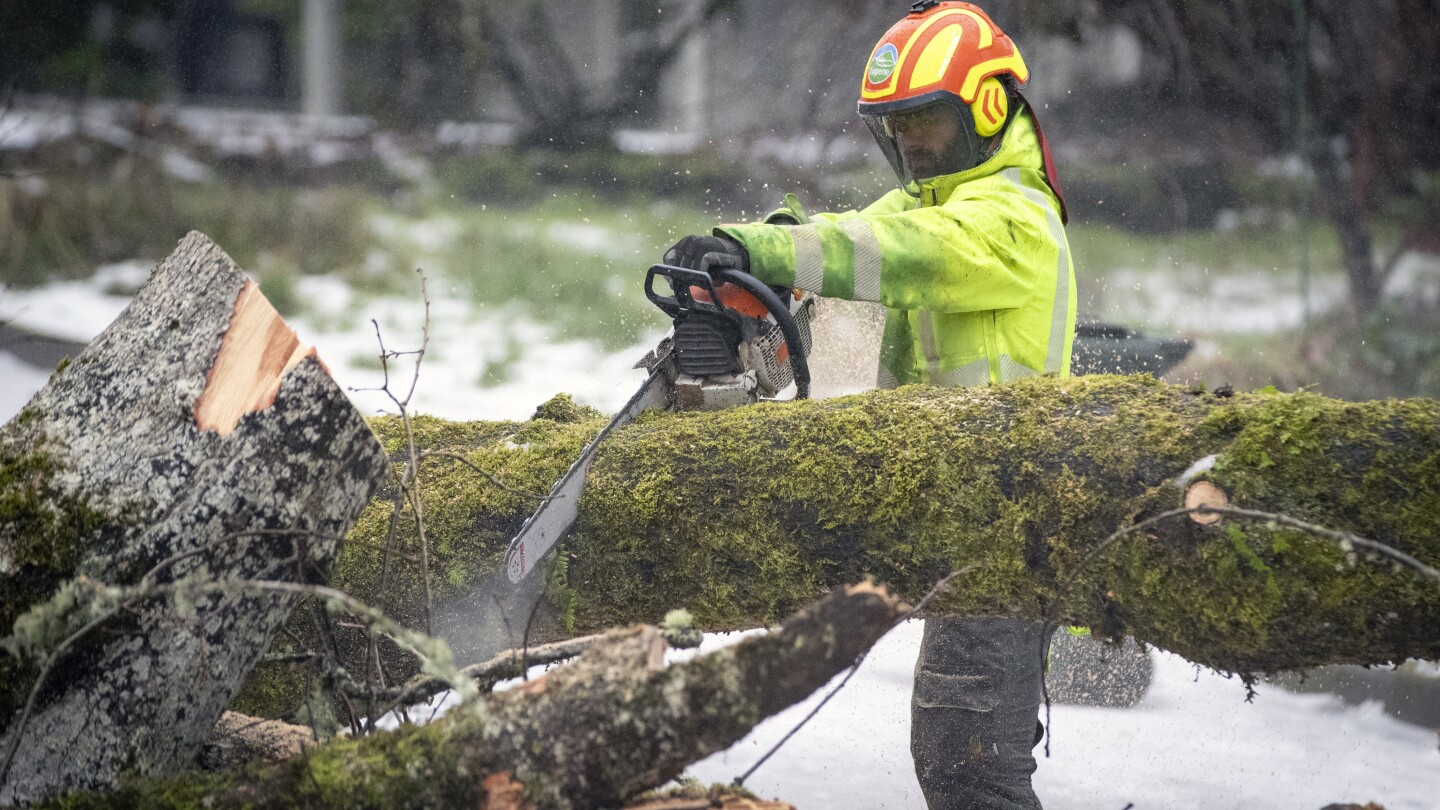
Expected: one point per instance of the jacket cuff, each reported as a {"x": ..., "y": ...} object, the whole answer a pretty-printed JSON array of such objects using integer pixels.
[{"x": 771, "y": 249}]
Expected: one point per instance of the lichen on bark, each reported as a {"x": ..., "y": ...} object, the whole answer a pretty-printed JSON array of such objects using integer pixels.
[{"x": 106, "y": 478}]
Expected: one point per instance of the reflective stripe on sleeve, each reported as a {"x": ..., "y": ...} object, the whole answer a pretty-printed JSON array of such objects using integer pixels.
[
  {"x": 976, "y": 373},
  {"x": 1054, "y": 356},
  {"x": 867, "y": 259},
  {"x": 927, "y": 342},
  {"x": 809, "y": 262}
]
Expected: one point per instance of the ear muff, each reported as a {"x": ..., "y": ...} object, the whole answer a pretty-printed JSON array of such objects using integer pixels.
[{"x": 991, "y": 107}]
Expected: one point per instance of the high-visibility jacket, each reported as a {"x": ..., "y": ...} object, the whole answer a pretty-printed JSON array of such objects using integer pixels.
[{"x": 975, "y": 271}]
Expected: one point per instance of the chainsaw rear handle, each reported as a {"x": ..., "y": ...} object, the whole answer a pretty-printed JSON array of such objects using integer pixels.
[{"x": 683, "y": 302}]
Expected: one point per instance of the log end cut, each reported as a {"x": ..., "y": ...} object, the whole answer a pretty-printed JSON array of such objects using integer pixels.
[{"x": 257, "y": 351}]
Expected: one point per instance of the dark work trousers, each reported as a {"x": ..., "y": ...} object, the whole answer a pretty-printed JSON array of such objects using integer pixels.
[{"x": 973, "y": 715}]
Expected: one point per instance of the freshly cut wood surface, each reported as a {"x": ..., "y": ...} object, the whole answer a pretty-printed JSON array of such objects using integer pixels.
[{"x": 257, "y": 352}]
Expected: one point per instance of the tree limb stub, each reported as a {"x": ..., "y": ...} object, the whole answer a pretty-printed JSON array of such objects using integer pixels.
[
  {"x": 593, "y": 733},
  {"x": 111, "y": 470},
  {"x": 744, "y": 514}
]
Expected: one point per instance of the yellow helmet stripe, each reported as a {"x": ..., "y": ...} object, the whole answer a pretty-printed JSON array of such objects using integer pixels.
[
  {"x": 987, "y": 36},
  {"x": 935, "y": 59},
  {"x": 889, "y": 87},
  {"x": 985, "y": 69}
]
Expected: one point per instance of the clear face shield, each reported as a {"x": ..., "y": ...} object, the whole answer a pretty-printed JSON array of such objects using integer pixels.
[{"x": 936, "y": 139}]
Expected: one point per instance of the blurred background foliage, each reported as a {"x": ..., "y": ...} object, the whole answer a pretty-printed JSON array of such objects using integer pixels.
[{"x": 1247, "y": 141}]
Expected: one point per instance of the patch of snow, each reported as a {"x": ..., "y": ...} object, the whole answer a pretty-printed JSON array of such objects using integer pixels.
[
  {"x": 1192, "y": 742},
  {"x": 1190, "y": 300},
  {"x": 121, "y": 278},
  {"x": 21, "y": 383},
  {"x": 656, "y": 142},
  {"x": 464, "y": 343},
  {"x": 471, "y": 135},
  {"x": 1417, "y": 278},
  {"x": 73, "y": 310},
  {"x": 325, "y": 295},
  {"x": 434, "y": 234},
  {"x": 584, "y": 236},
  {"x": 183, "y": 167}
]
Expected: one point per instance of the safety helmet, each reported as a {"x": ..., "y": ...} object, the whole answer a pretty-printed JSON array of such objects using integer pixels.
[{"x": 944, "y": 60}]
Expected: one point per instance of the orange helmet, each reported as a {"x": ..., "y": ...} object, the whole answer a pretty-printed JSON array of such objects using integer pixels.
[{"x": 949, "y": 59}]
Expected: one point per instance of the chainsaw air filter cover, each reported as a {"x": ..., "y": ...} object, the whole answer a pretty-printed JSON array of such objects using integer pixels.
[{"x": 768, "y": 354}]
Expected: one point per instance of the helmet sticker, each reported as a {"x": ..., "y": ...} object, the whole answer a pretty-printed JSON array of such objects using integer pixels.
[{"x": 882, "y": 64}]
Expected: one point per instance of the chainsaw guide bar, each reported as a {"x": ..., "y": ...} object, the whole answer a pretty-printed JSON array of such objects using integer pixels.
[{"x": 735, "y": 341}]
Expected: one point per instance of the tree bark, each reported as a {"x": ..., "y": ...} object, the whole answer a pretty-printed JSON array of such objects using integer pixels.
[
  {"x": 194, "y": 439},
  {"x": 745, "y": 514},
  {"x": 594, "y": 733}
]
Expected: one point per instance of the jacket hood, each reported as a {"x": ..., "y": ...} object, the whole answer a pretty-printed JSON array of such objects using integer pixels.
[{"x": 1022, "y": 147}]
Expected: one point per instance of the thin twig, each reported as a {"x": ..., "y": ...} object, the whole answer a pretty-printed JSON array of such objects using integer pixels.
[
  {"x": 411, "y": 450},
  {"x": 372, "y": 651},
  {"x": 1345, "y": 540},
  {"x": 373, "y": 665},
  {"x": 525, "y": 641},
  {"x": 488, "y": 476},
  {"x": 855, "y": 667},
  {"x": 485, "y": 675}
]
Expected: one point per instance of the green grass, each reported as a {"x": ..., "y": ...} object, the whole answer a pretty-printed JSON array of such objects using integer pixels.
[
  {"x": 1099, "y": 248},
  {"x": 570, "y": 247}
]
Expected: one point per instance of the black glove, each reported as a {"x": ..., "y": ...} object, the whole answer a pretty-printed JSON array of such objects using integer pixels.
[{"x": 707, "y": 253}]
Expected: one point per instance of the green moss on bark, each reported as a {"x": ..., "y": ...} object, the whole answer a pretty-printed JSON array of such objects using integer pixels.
[
  {"x": 43, "y": 534},
  {"x": 414, "y": 767},
  {"x": 743, "y": 515}
]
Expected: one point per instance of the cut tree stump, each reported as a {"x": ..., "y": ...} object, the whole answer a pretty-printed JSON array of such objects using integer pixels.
[{"x": 194, "y": 434}]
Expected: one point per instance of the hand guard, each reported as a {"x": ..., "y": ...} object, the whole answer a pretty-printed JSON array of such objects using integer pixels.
[{"x": 707, "y": 253}]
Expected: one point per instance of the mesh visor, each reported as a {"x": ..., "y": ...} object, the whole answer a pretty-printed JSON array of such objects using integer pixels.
[{"x": 932, "y": 140}]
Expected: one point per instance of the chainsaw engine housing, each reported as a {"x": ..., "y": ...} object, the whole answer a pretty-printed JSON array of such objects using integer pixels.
[{"x": 729, "y": 348}]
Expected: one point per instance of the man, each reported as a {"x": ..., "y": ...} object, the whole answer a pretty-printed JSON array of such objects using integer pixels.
[{"x": 969, "y": 256}]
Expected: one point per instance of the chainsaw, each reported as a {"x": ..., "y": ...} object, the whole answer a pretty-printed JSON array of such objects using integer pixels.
[{"x": 734, "y": 341}]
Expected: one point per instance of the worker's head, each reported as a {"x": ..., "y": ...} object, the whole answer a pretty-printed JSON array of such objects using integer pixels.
[{"x": 938, "y": 88}]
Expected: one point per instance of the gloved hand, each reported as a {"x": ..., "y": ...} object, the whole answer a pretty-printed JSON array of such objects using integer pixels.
[{"x": 707, "y": 253}]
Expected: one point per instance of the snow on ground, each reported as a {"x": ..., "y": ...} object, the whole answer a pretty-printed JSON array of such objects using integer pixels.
[
  {"x": 1191, "y": 743},
  {"x": 464, "y": 342},
  {"x": 21, "y": 381},
  {"x": 1191, "y": 300}
]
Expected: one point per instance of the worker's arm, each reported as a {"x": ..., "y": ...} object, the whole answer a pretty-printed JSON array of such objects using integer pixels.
[{"x": 973, "y": 253}]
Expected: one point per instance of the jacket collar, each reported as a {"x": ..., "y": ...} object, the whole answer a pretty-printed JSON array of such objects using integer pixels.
[{"x": 1019, "y": 148}]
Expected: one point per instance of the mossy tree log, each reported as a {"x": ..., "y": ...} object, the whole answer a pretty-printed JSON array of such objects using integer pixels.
[
  {"x": 593, "y": 733},
  {"x": 194, "y": 440},
  {"x": 744, "y": 514}
]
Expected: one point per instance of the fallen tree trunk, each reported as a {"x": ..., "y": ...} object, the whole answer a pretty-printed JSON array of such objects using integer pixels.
[
  {"x": 744, "y": 514},
  {"x": 193, "y": 441},
  {"x": 594, "y": 733}
]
